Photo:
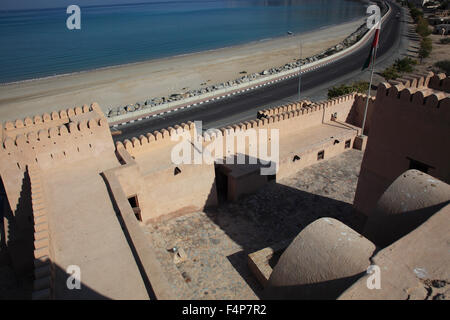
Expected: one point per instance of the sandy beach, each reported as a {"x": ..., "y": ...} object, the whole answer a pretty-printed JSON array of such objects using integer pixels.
[{"x": 127, "y": 84}]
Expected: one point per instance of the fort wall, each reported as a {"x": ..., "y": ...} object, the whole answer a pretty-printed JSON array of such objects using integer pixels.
[
  {"x": 43, "y": 250},
  {"x": 63, "y": 138},
  {"x": 356, "y": 115},
  {"x": 193, "y": 185},
  {"x": 140, "y": 241},
  {"x": 290, "y": 120},
  {"x": 409, "y": 131}
]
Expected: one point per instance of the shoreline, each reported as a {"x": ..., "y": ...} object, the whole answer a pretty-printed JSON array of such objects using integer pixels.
[
  {"x": 124, "y": 84},
  {"x": 236, "y": 46}
]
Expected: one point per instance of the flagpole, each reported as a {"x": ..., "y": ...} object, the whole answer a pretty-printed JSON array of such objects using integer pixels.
[{"x": 370, "y": 87}]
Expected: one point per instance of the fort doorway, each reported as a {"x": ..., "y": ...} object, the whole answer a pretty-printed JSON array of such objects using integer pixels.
[
  {"x": 221, "y": 185},
  {"x": 414, "y": 164}
]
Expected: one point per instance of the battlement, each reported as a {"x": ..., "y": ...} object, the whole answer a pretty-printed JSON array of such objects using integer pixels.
[
  {"x": 415, "y": 80},
  {"x": 414, "y": 95},
  {"x": 55, "y": 143},
  {"x": 43, "y": 251},
  {"x": 47, "y": 120},
  {"x": 305, "y": 104},
  {"x": 283, "y": 108},
  {"x": 440, "y": 82},
  {"x": 361, "y": 97},
  {"x": 51, "y": 140},
  {"x": 157, "y": 138},
  {"x": 267, "y": 118}
]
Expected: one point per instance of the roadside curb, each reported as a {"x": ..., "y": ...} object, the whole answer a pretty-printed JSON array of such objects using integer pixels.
[{"x": 139, "y": 115}]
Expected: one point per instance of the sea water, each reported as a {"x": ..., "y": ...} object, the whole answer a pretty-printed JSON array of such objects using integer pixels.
[{"x": 37, "y": 43}]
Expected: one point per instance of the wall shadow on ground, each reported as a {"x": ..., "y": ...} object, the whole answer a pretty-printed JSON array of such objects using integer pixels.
[
  {"x": 61, "y": 291},
  {"x": 17, "y": 243},
  {"x": 274, "y": 213}
]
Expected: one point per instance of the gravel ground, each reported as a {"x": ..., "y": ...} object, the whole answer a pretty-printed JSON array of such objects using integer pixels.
[{"x": 218, "y": 241}]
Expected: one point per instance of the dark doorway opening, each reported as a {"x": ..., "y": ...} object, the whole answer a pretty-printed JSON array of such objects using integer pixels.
[
  {"x": 296, "y": 158},
  {"x": 414, "y": 164},
  {"x": 134, "y": 203},
  {"x": 176, "y": 171},
  {"x": 221, "y": 185}
]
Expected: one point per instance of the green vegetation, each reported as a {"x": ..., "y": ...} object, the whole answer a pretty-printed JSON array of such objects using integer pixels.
[
  {"x": 359, "y": 86},
  {"x": 415, "y": 13},
  {"x": 390, "y": 73},
  {"x": 400, "y": 66},
  {"x": 445, "y": 40},
  {"x": 425, "y": 48},
  {"x": 405, "y": 65},
  {"x": 423, "y": 30},
  {"x": 422, "y": 27},
  {"x": 444, "y": 65}
]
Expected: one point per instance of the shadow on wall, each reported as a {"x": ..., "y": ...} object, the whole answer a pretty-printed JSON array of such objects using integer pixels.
[
  {"x": 273, "y": 214},
  {"x": 398, "y": 225},
  {"x": 18, "y": 230},
  {"x": 4, "y": 206}
]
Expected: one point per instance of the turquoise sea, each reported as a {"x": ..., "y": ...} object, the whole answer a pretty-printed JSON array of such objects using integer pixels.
[{"x": 37, "y": 43}]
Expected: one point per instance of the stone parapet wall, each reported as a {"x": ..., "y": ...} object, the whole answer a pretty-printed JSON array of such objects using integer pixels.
[{"x": 43, "y": 252}]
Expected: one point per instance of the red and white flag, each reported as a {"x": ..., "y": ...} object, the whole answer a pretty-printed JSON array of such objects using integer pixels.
[{"x": 373, "y": 49}]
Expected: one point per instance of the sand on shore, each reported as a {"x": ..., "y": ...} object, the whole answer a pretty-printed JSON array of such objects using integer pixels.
[{"x": 127, "y": 84}]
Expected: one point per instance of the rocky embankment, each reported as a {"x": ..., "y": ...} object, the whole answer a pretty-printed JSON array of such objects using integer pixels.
[{"x": 158, "y": 101}]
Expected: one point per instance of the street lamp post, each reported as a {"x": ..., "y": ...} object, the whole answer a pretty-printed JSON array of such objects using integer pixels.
[{"x": 300, "y": 72}]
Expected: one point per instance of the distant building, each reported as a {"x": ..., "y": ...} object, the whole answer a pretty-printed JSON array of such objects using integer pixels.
[{"x": 419, "y": 3}]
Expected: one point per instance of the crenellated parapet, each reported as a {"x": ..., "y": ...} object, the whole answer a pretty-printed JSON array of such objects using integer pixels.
[
  {"x": 51, "y": 140},
  {"x": 288, "y": 117},
  {"x": 47, "y": 120},
  {"x": 414, "y": 80},
  {"x": 361, "y": 98},
  {"x": 155, "y": 139},
  {"x": 284, "y": 108},
  {"x": 440, "y": 82},
  {"x": 44, "y": 272},
  {"x": 58, "y": 143},
  {"x": 423, "y": 96},
  {"x": 306, "y": 105}
]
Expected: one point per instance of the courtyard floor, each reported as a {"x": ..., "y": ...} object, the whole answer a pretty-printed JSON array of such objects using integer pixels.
[{"x": 218, "y": 241}]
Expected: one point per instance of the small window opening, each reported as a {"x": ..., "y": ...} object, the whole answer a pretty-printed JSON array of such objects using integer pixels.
[
  {"x": 135, "y": 206},
  {"x": 336, "y": 141},
  {"x": 321, "y": 155},
  {"x": 347, "y": 144},
  {"x": 296, "y": 157},
  {"x": 176, "y": 171}
]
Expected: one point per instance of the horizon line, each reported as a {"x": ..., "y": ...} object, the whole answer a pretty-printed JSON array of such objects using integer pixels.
[{"x": 104, "y": 5}]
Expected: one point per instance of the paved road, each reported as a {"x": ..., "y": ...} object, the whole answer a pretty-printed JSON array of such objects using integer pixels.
[{"x": 244, "y": 106}]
